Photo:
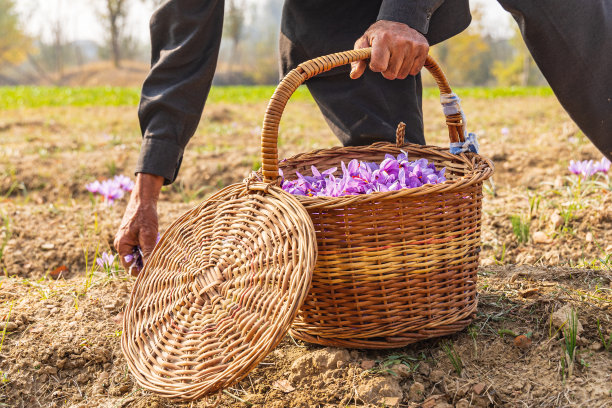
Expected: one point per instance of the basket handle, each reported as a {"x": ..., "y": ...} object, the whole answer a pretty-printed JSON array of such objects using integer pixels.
[{"x": 306, "y": 70}]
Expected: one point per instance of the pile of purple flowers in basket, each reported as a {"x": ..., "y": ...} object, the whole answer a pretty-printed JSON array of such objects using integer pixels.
[{"x": 360, "y": 177}]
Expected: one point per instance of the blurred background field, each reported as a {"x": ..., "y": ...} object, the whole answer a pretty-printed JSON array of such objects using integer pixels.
[{"x": 106, "y": 43}]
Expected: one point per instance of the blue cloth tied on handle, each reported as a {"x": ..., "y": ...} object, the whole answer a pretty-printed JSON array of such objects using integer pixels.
[
  {"x": 470, "y": 145},
  {"x": 451, "y": 105}
]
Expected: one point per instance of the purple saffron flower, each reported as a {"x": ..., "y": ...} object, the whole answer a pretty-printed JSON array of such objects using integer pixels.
[
  {"x": 93, "y": 187},
  {"x": 136, "y": 258},
  {"x": 124, "y": 182},
  {"x": 585, "y": 168},
  {"x": 106, "y": 261},
  {"x": 602, "y": 166},
  {"x": 111, "y": 191}
]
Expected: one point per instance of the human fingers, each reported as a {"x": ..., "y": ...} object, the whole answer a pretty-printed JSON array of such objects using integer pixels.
[
  {"x": 421, "y": 56},
  {"x": 380, "y": 54},
  {"x": 147, "y": 241},
  {"x": 396, "y": 60},
  {"x": 358, "y": 67},
  {"x": 124, "y": 243}
]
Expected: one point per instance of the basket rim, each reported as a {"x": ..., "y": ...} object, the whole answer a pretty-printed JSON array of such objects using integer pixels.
[
  {"x": 480, "y": 169},
  {"x": 301, "y": 262}
]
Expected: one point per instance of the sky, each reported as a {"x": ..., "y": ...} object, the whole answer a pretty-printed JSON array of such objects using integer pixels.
[{"x": 80, "y": 20}]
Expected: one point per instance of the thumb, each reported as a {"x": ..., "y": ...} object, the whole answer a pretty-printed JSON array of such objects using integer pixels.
[{"x": 358, "y": 67}]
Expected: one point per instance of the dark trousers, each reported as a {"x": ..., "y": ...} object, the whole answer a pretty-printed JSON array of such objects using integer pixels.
[{"x": 571, "y": 41}]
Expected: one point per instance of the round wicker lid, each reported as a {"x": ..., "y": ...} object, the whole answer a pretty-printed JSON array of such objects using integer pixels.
[{"x": 219, "y": 291}]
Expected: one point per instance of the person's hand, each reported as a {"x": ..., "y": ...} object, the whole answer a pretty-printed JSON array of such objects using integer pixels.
[
  {"x": 397, "y": 50},
  {"x": 139, "y": 224}
]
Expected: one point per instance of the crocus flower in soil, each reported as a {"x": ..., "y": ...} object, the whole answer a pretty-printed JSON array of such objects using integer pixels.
[
  {"x": 602, "y": 166},
  {"x": 584, "y": 168},
  {"x": 93, "y": 187},
  {"x": 110, "y": 190},
  {"x": 106, "y": 261},
  {"x": 124, "y": 182}
]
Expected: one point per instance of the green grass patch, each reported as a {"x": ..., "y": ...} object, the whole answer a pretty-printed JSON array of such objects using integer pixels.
[{"x": 45, "y": 96}]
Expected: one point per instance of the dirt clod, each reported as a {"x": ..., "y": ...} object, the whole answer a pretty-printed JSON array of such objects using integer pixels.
[
  {"x": 402, "y": 370},
  {"x": 416, "y": 392},
  {"x": 561, "y": 317},
  {"x": 375, "y": 390},
  {"x": 462, "y": 403},
  {"x": 11, "y": 326},
  {"x": 596, "y": 346},
  {"x": 436, "y": 375}
]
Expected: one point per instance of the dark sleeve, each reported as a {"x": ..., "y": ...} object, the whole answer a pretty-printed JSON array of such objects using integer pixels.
[
  {"x": 185, "y": 39},
  {"x": 414, "y": 13}
]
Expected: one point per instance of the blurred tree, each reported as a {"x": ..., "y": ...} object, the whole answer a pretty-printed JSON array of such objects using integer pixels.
[
  {"x": 520, "y": 69},
  {"x": 233, "y": 26},
  {"x": 115, "y": 14},
  {"x": 467, "y": 58},
  {"x": 14, "y": 44}
]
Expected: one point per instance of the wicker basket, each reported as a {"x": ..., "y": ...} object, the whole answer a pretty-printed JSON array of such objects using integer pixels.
[{"x": 394, "y": 267}]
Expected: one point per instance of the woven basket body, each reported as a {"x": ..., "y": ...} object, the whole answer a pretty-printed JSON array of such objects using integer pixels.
[{"x": 396, "y": 267}]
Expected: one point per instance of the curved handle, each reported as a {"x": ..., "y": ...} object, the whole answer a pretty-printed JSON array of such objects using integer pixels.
[{"x": 306, "y": 70}]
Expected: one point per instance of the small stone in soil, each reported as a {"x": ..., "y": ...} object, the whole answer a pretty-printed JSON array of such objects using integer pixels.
[
  {"x": 540, "y": 237},
  {"x": 522, "y": 342},
  {"x": 479, "y": 388},
  {"x": 368, "y": 364},
  {"x": 433, "y": 401},
  {"x": 124, "y": 388}
]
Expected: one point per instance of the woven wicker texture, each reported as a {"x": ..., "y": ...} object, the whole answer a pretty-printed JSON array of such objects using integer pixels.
[
  {"x": 393, "y": 267},
  {"x": 219, "y": 292}
]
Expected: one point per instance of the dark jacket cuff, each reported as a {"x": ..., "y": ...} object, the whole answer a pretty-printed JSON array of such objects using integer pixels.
[
  {"x": 414, "y": 13},
  {"x": 161, "y": 158}
]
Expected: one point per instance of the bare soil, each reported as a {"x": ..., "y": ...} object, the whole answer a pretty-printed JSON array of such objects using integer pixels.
[{"x": 60, "y": 336}]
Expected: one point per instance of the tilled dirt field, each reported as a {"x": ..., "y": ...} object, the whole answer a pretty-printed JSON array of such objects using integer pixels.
[{"x": 60, "y": 334}]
